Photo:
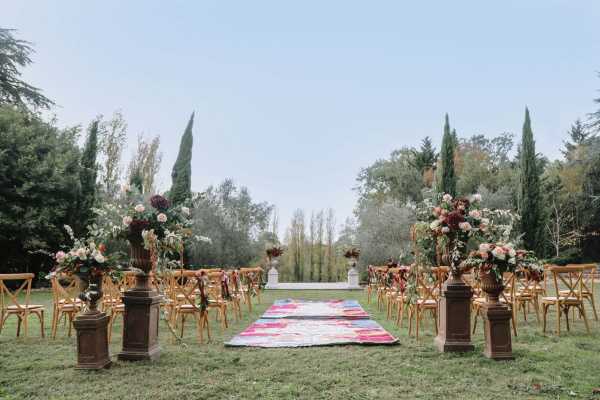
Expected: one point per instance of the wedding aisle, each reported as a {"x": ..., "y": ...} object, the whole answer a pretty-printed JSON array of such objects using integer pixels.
[{"x": 302, "y": 323}]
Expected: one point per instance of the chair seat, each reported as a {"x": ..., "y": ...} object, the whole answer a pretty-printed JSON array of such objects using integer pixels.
[
  {"x": 119, "y": 307},
  {"x": 553, "y": 299},
  {"x": 426, "y": 302},
  {"x": 13, "y": 309}
]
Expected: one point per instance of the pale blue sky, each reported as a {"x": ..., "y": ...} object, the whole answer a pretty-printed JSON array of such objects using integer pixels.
[{"x": 292, "y": 99}]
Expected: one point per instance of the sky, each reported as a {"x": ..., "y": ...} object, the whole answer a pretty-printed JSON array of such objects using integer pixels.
[{"x": 292, "y": 99}]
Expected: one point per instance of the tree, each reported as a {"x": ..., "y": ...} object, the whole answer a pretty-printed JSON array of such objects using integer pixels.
[
  {"x": 14, "y": 55},
  {"x": 529, "y": 189},
  {"x": 447, "y": 182},
  {"x": 145, "y": 164},
  {"x": 578, "y": 136},
  {"x": 39, "y": 189},
  {"x": 426, "y": 157},
  {"x": 87, "y": 176},
  {"x": 595, "y": 116},
  {"x": 330, "y": 249},
  {"x": 112, "y": 138},
  {"x": 182, "y": 170},
  {"x": 591, "y": 191}
]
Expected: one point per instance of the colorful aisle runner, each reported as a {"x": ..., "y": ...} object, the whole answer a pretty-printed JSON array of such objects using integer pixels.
[{"x": 299, "y": 323}]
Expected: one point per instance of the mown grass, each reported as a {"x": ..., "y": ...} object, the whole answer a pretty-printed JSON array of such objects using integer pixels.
[{"x": 546, "y": 366}]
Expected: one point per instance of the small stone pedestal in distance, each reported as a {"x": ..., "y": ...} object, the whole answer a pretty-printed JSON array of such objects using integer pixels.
[
  {"x": 272, "y": 278},
  {"x": 498, "y": 343},
  {"x": 353, "y": 278},
  {"x": 454, "y": 311}
]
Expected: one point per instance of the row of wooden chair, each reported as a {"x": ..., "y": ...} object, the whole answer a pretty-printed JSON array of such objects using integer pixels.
[
  {"x": 524, "y": 291},
  {"x": 182, "y": 291}
]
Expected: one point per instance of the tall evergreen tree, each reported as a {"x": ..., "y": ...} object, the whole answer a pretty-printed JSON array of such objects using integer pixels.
[
  {"x": 426, "y": 156},
  {"x": 87, "y": 177},
  {"x": 530, "y": 200},
  {"x": 181, "y": 188},
  {"x": 447, "y": 182}
]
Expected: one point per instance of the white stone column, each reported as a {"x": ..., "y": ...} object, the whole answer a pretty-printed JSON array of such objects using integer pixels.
[
  {"x": 353, "y": 282},
  {"x": 273, "y": 275}
]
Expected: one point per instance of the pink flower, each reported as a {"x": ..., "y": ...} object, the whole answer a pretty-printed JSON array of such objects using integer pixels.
[
  {"x": 127, "y": 220},
  {"x": 161, "y": 217},
  {"x": 475, "y": 214},
  {"x": 139, "y": 208},
  {"x": 484, "y": 254},
  {"x": 499, "y": 253},
  {"x": 437, "y": 211},
  {"x": 445, "y": 229},
  {"x": 465, "y": 226},
  {"x": 60, "y": 256},
  {"x": 447, "y": 198}
]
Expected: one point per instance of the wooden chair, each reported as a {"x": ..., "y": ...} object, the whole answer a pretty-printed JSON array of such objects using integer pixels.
[
  {"x": 10, "y": 304},
  {"x": 235, "y": 293},
  {"x": 572, "y": 279},
  {"x": 217, "y": 295},
  {"x": 65, "y": 303},
  {"x": 394, "y": 290},
  {"x": 251, "y": 279},
  {"x": 507, "y": 297},
  {"x": 526, "y": 294},
  {"x": 186, "y": 302},
  {"x": 428, "y": 289},
  {"x": 587, "y": 290}
]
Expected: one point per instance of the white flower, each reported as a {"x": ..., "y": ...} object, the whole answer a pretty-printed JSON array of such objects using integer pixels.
[
  {"x": 125, "y": 188},
  {"x": 465, "y": 226},
  {"x": 81, "y": 253},
  {"x": 484, "y": 247},
  {"x": 434, "y": 224},
  {"x": 161, "y": 217},
  {"x": 476, "y": 197},
  {"x": 512, "y": 252},
  {"x": 139, "y": 208},
  {"x": 447, "y": 198},
  {"x": 485, "y": 221},
  {"x": 475, "y": 214},
  {"x": 127, "y": 220},
  {"x": 99, "y": 257},
  {"x": 185, "y": 210},
  {"x": 512, "y": 261},
  {"x": 60, "y": 256},
  {"x": 445, "y": 229},
  {"x": 203, "y": 239}
]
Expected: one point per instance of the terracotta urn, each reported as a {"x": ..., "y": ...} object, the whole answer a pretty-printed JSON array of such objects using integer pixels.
[{"x": 492, "y": 286}]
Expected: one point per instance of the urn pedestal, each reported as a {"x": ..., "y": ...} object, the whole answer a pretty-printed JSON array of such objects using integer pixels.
[
  {"x": 496, "y": 316},
  {"x": 142, "y": 312},
  {"x": 92, "y": 332},
  {"x": 273, "y": 275},
  {"x": 92, "y": 340},
  {"x": 454, "y": 314}
]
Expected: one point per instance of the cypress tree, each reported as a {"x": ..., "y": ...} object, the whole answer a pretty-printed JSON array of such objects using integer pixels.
[
  {"x": 181, "y": 175},
  {"x": 447, "y": 174},
  {"x": 529, "y": 191},
  {"x": 87, "y": 178}
]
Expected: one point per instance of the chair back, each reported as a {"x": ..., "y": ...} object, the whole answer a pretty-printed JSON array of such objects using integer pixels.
[
  {"x": 252, "y": 277},
  {"x": 10, "y": 297},
  {"x": 571, "y": 279},
  {"x": 588, "y": 278},
  {"x": 65, "y": 294}
]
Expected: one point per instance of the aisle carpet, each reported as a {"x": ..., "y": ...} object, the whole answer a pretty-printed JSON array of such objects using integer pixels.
[{"x": 299, "y": 323}]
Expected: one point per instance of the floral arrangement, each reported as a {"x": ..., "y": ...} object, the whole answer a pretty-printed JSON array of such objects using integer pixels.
[
  {"x": 274, "y": 252},
  {"x": 352, "y": 252},
  {"x": 85, "y": 258},
  {"x": 459, "y": 217},
  {"x": 500, "y": 257}
]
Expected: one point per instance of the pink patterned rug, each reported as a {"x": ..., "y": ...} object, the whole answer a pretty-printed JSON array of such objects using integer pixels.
[{"x": 299, "y": 323}]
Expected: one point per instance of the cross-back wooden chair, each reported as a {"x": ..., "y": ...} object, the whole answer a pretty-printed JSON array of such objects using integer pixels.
[
  {"x": 112, "y": 302},
  {"x": 587, "y": 289},
  {"x": 400, "y": 277},
  {"x": 217, "y": 294},
  {"x": 251, "y": 279},
  {"x": 428, "y": 289},
  {"x": 526, "y": 294},
  {"x": 17, "y": 302},
  {"x": 189, "y": 297},
  {"x": 571, "y": 278},
  {"x": 66, "y": 303},
  {"x": 235, "y": 293},
  {"x": 507, "y": 297},
  {"x": 394, "y": 289}
]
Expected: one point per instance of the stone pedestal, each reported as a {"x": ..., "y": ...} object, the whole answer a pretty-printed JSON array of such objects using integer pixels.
[
  {"x": 498, "y": 343},
  {"x": 272, "y": 278},
  {"x": 92, "y": 340},
  {"x": 353, "y": 278},
  {"x": 140, "y": 324},
  {"x": 454, "y": 314}
]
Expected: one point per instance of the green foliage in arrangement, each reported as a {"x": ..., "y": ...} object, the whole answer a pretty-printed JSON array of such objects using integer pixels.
[
  {"x": 181, "y": 189},
  {"x": 447, "y": 182},
  {"x": 39, "y": 188},
  {"x": 529, "y": 189}
]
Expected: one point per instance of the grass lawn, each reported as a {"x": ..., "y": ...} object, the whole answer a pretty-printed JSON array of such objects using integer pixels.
[{"x": 545, "y": 367}]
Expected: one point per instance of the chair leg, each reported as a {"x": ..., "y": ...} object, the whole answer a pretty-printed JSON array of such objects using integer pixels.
[
  {"x": 514, "y": 324},
  {"x": 558, "y": 310},
  {"x": 536, "y": 307},
  {"x": 593, "y": 302},
  {"x": 70, "y": 322},
  {"x": 475, "y": 318},
  {"x": 567, "y": 318},
  {"x": 582, "y": 310},
  {"x": 418, "y": 320},
  {"x": 40, "y": 315},
  {"x": 18, "y": 325},
  {"x": 3, "y": 318},
  {"x": 54, "y": 323},
  {"x": 182, "y": 323}
]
